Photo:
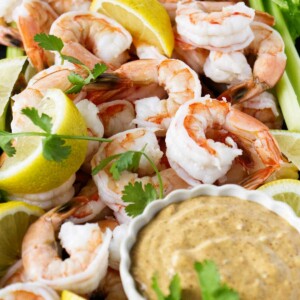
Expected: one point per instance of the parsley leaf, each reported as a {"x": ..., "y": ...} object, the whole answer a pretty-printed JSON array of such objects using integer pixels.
[
  {"x": 49, "y": 42},
  {"x": 54, "y": 148},
  {"x": 174, "y": 288},
  {"x": 98, "y": 70},
  {"x": 43, "y": 121},
  {"x": 211, "y": 287},
  {"x": 138, "y": 197},
  {"x": 129, "y": 161},
  {"x": 6, "y": 143}
]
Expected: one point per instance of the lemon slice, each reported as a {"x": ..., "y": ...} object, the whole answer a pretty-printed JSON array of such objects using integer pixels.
[
  {"x": 10, "y": 69},
  {"x": 147, "y": 21},
  {"x": 15, "y": 218},
  {"x": 28, "y": 172},
  {"x": 285, "y": 190},
  {"x": 289, "y": 144},
  {"x": 66, "y": 295}
]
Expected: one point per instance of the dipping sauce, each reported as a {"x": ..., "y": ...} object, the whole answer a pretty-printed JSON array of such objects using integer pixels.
[{"x": 257, "y": 252}]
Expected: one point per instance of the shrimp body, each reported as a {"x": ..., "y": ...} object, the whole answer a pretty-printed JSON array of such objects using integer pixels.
[
  {"x": 268, "y": 47},
  {"x": 219, "y": 136},
  {"x": 179, "y": 81},
  {"x": 110, "y": 190},
  {"x": 230, "y": 68},
  {"x": 213, "y": 26},
  {"x": 33, "y": 17},
  {"x": 62, "y": 6},
  {"x": 28, "y": 291},
  {"x": 9, "y": 36},
  {"x": 102, "y": 36},
  {"x": 86, "y": 245}
]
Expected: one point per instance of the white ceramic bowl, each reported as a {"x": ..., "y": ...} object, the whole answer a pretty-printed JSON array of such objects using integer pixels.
[{"x": 139, "y": 222}]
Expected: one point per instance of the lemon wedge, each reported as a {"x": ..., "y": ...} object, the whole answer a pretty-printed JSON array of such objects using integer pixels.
[
  {"x": 147, "y": 21},
  {"x": 285, "y": 190},
  {"x": 15, "y": 218},
  {"x": 28, "y": 171},
  {"x": 67, "y": 295}
]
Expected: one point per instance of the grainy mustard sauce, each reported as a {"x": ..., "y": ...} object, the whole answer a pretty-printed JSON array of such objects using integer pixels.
[{"x": 257, "y": 252}]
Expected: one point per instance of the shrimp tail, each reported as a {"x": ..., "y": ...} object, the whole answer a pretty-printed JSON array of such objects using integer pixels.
[
  {"x": 257, "y": 178},
  {"x": 243, "y": 91},
  {"x": 10, "y": 37}
]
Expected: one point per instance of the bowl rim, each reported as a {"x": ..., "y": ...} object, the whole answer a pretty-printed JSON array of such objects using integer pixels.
[{"x": 280, "y": 208}]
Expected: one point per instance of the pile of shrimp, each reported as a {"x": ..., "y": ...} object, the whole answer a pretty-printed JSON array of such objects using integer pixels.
[{"x": 202, "y": 116}]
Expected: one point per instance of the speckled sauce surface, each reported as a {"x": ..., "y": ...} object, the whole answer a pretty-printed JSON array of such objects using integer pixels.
[{"x": 257, "y": 252}]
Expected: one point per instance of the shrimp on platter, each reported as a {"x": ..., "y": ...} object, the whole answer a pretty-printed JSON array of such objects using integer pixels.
[
  {"x": 62, "y": 6},
  {"x": 213, "y": 26},
  {"x": 33, "y": 17},
  {"x": 93, "y": 36},
  {"x": 268, "y": 47},
  {"x": 86, "y": 245},
  {"x": 110, "y": 190},
  {"x": 116, "y": 116},
  {"x": 9, "y": 36},
  {"x": 28, "y": 291},
  {"x": 220, "y": 138},
  {"x": 178, "y": 80}
]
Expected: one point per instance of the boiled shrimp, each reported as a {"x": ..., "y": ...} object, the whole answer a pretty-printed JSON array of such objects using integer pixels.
[
  {"x": 177, "y": 79},
  {"x": 264, "y": 108},
  {"x": 213, "y": 26},
  {"x": 116, "y": 116},
  {"x": 102, "y": 36},
  {"x": 9, "y": 36},
  {"x": 110, "y": 190},
  {"x": 146, "y": 51},
  {"x": 218, "y": 137},
  {"x": 86, "y": 245},
  {"x": 62, "y": 6},
  {"x": 268, "y": 47},
  {"x": 28, "y": 291},
  {"x": 33, "y": 17}
]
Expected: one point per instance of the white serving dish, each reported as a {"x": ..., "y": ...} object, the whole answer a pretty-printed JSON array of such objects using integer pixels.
[{"x": 151, "y": 210}]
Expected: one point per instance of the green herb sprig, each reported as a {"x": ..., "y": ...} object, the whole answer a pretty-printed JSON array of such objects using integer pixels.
[
  {"x": 54, "y": 43},
  {"x": 54, "y": 145},
  {"x": 209, "y": 283},
  {"x": 135, "y": 194}
]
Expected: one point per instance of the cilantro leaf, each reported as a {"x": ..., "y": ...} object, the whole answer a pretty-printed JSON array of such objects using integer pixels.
[
  {"x": 129, "y": 161},
  {"x": 76, "y": 78},
  {"x": 174, "y": 288},
  {"x": 211, "y": 287},
  {"x": 43, "y": 121},
  {"x": 98, "y": 70},
  {"x": 138, "y": 197},
  {"x": 104, "y": 163},
  {"x": 6, "y": 143},
  {"x": 49, "y": 42},
  {"x": 54, "y": 148}
]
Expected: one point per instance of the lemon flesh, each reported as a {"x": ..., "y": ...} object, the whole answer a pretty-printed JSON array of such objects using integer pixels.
[
  {"x": 66, "y": 295},
  {"x": 15, "y": 218},
  {"x": 289, "y": 144},
  {"x": 285, "y": 190},
  {"x": 28, "y": 171},
  {"x": 10, "y": 69},
  {"x": 147, "y": 21}
]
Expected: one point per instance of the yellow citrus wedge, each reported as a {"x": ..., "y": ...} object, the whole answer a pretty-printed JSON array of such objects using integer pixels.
[
  {"x": 15, "y": 218},
  {"x": 28, "y": 171},
  {"x": 285, "y": 190},
  {"x": 147, "y": 21},
  {"x": 67, "y": 295}
]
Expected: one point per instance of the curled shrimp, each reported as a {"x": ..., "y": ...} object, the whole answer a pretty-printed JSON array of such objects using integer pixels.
[
  {"x": 28, "y": 291},
  {"x": 268, "y": 47},
  {"x": 33, "y": 17},
  {"x": 213, "y": 26},
  {"x": 62, "y": 6},
  {"x": 116, "y": 116},
  {"x": 102, "y": 36},
  {"x": 110, "y": 190},
  {"x": 178, "y": 80},
  {"x": 9, "y": 36},
  {"x": 86, "y": 245},
  {"x": 219, "y": 137}
]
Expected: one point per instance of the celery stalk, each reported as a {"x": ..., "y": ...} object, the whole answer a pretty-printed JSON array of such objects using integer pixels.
[
  {"x": 293, "y": 59},
  {"x": 256, "y": 4},
  {"x": 13, "y": 52}
]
